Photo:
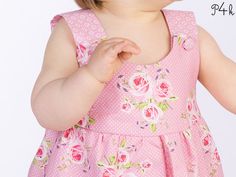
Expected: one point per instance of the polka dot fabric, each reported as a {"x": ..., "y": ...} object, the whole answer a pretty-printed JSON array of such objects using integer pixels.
[{"x": 145, "y": 123}]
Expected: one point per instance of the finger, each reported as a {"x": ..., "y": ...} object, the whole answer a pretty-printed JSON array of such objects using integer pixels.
[
  {"x": 123, "y": 47},
  {"x": 130, "y": 49},
  {"x": 118, "y": 39},
  {"x": 112, "y": 44},
  {"x": 119, "y": 47}
]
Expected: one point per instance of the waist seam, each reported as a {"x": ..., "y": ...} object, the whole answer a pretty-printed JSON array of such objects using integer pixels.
[{"x": 134, "y": 135}]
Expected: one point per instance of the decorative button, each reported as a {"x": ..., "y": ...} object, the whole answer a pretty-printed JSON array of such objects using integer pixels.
[{"x": 188, "y": 43}]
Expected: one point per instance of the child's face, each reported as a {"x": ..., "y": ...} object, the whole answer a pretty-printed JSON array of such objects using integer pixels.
[
  {"x": 157, "y": 3},
  {"x": 142, "y": 4}
]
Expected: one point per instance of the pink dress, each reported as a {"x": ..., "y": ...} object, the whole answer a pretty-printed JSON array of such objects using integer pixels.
[{"x": 145, "y": 123}]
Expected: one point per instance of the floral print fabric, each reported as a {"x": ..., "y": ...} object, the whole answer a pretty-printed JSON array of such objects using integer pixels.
[
  {"x": 161, "y": 94},
  {"x": 146, "y": 123},
  {"x": 127, "y": 156}
]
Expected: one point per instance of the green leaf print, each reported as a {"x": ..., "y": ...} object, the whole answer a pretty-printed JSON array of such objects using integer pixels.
[
  {"x": 76, "y": 126},
  {"x": 123, "y": 143},
  {"x": 153, "y": 127},
  {"x": 112, "y": 159},
  {"x": 141, "y": 105},
  {"x": 40, "y": 163},
  {"x": 91, "y": 121},
  {"x": 163, "y": 106},
  {"x": 173, "y": 98},
  {"x": 49, "y": 143},
  {"x": 142, "y": 170},
  {"x": 179, "y": 40},
  {"x": 136, "y": 164},
  {"x": 127, "y": 165},
  {"x": 151, "y": 100},
  {"x": 100, "y": 164}
]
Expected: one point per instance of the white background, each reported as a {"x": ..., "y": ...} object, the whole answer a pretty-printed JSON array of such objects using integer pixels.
[{"x": 24, "y": 32}]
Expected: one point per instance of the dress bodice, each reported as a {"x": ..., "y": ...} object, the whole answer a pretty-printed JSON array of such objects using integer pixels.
[
  {"x": 146, "y": 121},
  {"x": 145, "y": 99}
]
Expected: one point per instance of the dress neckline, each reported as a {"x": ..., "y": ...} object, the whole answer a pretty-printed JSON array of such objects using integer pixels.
[{"x": 172, "y": 42}]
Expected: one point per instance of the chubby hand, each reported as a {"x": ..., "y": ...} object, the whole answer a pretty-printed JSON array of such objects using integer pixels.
[{"x": 108, "y": 57}]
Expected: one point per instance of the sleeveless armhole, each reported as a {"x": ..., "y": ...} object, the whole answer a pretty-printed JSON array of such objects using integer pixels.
[
  {"x": 70, "y": 24},
  {"x": 85, "y": 31},
  {"x": 184, "y": 23}
]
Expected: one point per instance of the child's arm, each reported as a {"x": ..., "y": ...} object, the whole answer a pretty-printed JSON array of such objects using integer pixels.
[
  {"x": 217, "y": 72},
  {"x": 63, "y": 93}
]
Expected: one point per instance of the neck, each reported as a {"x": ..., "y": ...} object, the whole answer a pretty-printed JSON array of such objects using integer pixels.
[{"x": 133, "y": 11}]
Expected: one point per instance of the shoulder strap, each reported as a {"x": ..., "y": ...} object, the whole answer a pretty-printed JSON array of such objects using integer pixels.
[
  {"x": 182, "y": 24},
  {"x": 85, "y": 29}
]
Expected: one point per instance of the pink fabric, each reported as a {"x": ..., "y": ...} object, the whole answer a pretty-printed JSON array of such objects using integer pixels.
[{"x": 145, "y": 123}]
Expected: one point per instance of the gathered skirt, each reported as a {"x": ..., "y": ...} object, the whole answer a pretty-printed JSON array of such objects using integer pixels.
[{"x": 80, "y": 152}]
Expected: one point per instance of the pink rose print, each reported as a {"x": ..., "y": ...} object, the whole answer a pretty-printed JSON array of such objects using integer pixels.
[
  {"x": 83, "y": 122},
  {"x": 195, "y": 119},
  {"x": 152, "y": 113},
  {"x": 116, "y": 164},
  {"x": 192, "y": 104},
  {"x": 81, "y": 136},
  {"x": 193, "y": 112},
  {"x": 109, "y": 172},
  {"x": 83, "y": 51},
  {"x": 127, "y": 106},
  {"x": 189, "y": 105},
  {"x": 146, "y": 164},
  {"x": 139, "y": 83},
  {"x": 215, "y": 161},
  {"x": 41, "y": 158},
  {"x": 163, "y": 88},
  {"x": 152, "y": 108},
  {"x": 209, "y": 147},
  {"x": 206, "y": 139},
  {"x": 122, "y": 156},
  {"x": 42, "y": 151},
  {"x": 73, "y": 143},
  {"x": 206, "y": 142},
  {"x": 76, "y": 132},
  {"x": 77, "y": 153},
  {"x": 67, "y": 135},
  {"x": 216, "y": 156}
]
